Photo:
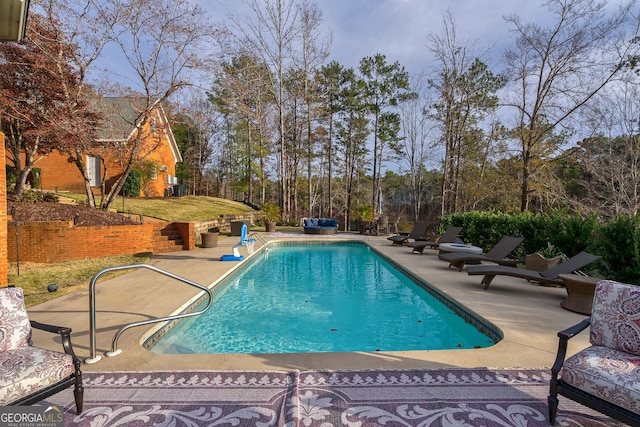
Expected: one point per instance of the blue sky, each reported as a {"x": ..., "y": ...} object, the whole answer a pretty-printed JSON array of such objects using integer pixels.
[{"x": 399, "y": 28}]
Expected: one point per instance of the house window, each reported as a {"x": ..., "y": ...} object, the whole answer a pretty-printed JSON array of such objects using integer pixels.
[
  {"x": 152, "y": 125},
  {"x": 154, "y": 172},
  {"x": 93, "y": 170}
]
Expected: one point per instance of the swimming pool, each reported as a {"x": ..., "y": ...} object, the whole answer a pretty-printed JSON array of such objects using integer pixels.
[{"x": 321, "y": 297}]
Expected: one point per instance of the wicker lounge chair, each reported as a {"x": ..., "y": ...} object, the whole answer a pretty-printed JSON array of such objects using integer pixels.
[
  {"x": 417, "y": 233},
  {"x": 447, "y": 237},
  {"x": 550, "y": 276},
  {"x": 498, "y": 254}
]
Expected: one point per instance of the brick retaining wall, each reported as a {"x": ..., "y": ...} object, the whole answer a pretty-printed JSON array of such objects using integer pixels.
[
  {"x": 58, "y": 241},
  {"x": 50, "y": 242},
  {"x": 223, "y": 223}
]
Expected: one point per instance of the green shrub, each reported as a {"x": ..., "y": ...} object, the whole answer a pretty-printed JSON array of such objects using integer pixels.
[
  {"x": 35, "y": 196},
  {"x": 50, "y": 197},
  {"x": 618, "y": 242},
  {"x": 483, "y": 229},
  {"x": 569, "y": 233},
  {"x": 11, "y": 176},
  {"x": 132, "y": 184},
  {"x": 578, "y": 233}
]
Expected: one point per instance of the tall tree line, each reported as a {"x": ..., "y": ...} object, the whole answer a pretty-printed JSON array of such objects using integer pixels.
[
  {"x": 271, "y": 121},
  {"x": 465, "y": 129}
]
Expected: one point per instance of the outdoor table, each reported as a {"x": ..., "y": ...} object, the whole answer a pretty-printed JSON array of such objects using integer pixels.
[
  {"x": 580, "y": 290},
  {"x": 369, "y": 226}
]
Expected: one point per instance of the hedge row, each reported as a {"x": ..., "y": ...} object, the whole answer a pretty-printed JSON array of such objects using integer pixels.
[{"x": 616, "y": 240}]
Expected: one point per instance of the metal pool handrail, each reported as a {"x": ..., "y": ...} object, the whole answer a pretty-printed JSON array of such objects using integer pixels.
[
  {"x": 264, "y": 243},
  {"x": 92, "y": 309}
]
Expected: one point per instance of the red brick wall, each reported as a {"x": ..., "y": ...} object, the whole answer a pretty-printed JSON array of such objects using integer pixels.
[
  {"x": 58, "y": 173},
  {"x": 51, "y": 242},
  {"x": 187, "y": 232},
  {"x": 4, "y": 262}
]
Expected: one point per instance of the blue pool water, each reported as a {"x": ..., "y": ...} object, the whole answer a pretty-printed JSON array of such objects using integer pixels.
[{"x": 340, "y": 297}]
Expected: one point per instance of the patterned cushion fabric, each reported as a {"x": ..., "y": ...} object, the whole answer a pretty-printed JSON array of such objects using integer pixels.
[
  {"x": 615, "y": 320},
  {"x": 15, "y": 329},
  {"x": 609, "y": 374},
  {"x": 29, "y": 369}
]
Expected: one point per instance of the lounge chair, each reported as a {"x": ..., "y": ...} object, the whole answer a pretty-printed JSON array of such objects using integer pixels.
[
  {"x": 498, "y": 254},
  {"x": 549, "y": 276},
  {"x": 447, "y": 237},
  {"x": 416, "y": 234}
]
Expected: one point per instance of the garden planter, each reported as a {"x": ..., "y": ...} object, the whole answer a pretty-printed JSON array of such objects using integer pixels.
[
  {"x": 236, "y": 227},
  {"x": 270, "y": 226},
  {"x": 209, "y": 239},
  {"x": 537, "y": 262}
]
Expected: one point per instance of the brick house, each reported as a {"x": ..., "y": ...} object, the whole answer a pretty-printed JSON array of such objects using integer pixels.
[{"x": 158, "y": 153}]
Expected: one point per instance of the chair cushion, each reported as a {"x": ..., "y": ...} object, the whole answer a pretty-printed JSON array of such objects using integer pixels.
[
  {"x": 615, "y": 319},
  {"x": 609, "y": 374},
  {"x": 29, "y": 369},
  {"x": 15, "y": 329}
]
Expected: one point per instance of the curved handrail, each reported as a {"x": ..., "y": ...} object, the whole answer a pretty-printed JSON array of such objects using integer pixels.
[
  {"x": 264, "y": 243},
  {"x": 92, "y": 308}
]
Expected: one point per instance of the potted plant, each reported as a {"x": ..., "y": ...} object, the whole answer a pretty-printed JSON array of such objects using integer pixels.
[
  {"x": 364, "y": 213},
  {"x": 271, "y": 216},
  {"x": 545, "y": 258}
]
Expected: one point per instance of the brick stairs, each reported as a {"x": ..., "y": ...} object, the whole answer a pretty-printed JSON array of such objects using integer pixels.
[{"x": 166, "y": 238}]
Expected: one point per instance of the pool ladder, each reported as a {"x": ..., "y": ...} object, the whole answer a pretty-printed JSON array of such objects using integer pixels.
[{"x": 114, "y": 345}]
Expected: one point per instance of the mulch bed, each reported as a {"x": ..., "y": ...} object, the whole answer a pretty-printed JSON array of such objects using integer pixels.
[{"x": 49, "y": 211}]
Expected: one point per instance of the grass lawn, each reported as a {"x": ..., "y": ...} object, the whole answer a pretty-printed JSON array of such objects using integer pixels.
[
  {"x": 70, "y": 276},
  {"x": 188, "y": 208}
]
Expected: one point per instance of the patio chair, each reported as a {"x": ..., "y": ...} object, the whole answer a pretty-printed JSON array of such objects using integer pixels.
[
  {"x": 550, "y": 276},
  {"x": 498, "y": 254},
  {"x": 30, "y": 374},
  {"x": 604, "y": 376},
  {"x": 449, "y": 236},
  {"x": 382, "y": 225},
  {"x": 416, "y": 234}
]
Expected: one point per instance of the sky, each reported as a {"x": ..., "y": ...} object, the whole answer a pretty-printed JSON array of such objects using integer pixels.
[{"x": 399, "y": 29}]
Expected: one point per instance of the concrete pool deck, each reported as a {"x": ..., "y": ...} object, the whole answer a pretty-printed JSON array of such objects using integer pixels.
[{"x": 528, "y": 315}]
